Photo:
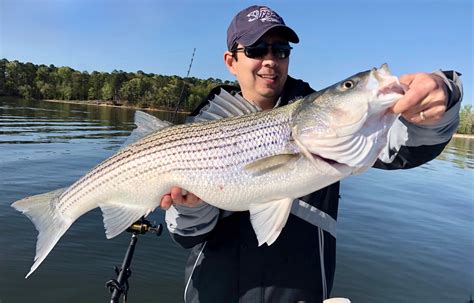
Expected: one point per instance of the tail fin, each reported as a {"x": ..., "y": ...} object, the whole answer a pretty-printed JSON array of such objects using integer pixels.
[{"x": 51, "y": 226}]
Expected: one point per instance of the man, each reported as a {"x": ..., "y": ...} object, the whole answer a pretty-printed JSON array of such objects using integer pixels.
[{"x": 226, "y": 264}]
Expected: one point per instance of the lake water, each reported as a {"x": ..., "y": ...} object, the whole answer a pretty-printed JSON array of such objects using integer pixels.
[{"x": 403, "y": 236}]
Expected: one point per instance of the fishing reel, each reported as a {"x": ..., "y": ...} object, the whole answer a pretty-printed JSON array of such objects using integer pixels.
[
  {"x": 143, "y": 226},
  {"x": 120, "y": 285}
]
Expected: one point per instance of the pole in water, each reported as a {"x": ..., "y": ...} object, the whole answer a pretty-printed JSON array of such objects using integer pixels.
[
  {"x": 120, "y": 285},
  {"x": 182, "y": 89}
]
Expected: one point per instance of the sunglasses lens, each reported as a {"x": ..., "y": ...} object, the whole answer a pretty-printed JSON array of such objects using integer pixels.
[
  {"x": 256, "y": 51},
  {"x": 281, "y": 51}
]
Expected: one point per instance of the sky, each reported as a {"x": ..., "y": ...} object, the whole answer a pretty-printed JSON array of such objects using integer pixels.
[{"x": 338, "y": 38}]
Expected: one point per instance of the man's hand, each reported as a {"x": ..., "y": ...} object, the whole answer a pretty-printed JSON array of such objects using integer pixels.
[
  {"x": 424, "y": 101},
  {"x": 180, "y": 197}
]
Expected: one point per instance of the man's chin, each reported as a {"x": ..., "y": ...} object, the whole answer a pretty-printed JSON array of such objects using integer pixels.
[{"x": 270, "y": 93}]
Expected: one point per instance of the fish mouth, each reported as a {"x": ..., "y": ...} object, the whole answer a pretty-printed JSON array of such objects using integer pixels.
[
  {"x": 388, "y": 83},
  {"x": 388, "y": 88},
  {"x": 391, "y": 88}
]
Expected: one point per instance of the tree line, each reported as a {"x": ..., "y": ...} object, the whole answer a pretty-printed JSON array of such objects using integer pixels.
[
  {"x": 147, "y": 90},
  {"x": 31, "y": 81}
]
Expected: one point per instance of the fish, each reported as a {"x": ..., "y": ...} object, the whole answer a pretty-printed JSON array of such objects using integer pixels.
[{"x": 235, "y": 157}]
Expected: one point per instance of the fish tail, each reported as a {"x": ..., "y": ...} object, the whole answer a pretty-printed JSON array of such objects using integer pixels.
[{"x": 41, "y": 210}]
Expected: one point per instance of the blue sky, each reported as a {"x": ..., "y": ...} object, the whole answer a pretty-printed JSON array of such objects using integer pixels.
[{"x": 338, "y": 38}]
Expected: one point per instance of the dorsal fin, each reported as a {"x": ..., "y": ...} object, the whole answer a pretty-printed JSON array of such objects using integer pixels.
[
  {"x": 225, "y": 105},
  {"x": 146, "y": 124}
]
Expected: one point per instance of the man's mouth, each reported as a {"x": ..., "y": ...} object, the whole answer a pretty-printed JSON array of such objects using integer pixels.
[{"x": 268, "y": 76}]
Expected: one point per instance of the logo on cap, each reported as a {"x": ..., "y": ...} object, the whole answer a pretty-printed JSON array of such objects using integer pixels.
[{"x": 264, "y": 14}]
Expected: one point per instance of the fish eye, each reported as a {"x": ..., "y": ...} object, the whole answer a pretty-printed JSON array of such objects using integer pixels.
[{"x": 348, "y": 84}]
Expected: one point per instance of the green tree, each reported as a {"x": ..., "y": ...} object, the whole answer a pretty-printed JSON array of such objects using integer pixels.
[
  {"x": 26, "y": 91},
  {"x": 131, "y": 91},
  {"x": 167, "y": 95},
  {"x": 116, "y": 79},
  {"x": 96, "y": 82},
  {"x": 42, "y": 73},
  {"x": 47, "y": 90},
  {"x": 107, "y": 92},
  {"x": 64, "y": 86},
  {"x": 79, "y": 85},
  {"x": 135, "y": 89},
  {"x": 12, "y": 78},
  {"x": 19, "y": 79},
  {"x": 466, "y": 123},
  {"x": 3, "y": 66},
  {"x": 43, "y": 83}
]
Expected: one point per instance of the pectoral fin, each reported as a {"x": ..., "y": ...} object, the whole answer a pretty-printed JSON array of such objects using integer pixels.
[
  {"x": 273, "y": 163},
  {"x": 268, "y": 219}
]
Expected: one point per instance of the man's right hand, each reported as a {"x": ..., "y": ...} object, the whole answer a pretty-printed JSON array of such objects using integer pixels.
[{"x": 179, "y": 196}]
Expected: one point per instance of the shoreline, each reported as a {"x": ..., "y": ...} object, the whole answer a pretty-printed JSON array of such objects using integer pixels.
[
  {"x": 104, "y": 103},
  {"x": 463, "y": 136}
]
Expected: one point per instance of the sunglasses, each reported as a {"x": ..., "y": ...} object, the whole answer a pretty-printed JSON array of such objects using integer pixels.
[{"x": 258, "y": 51}]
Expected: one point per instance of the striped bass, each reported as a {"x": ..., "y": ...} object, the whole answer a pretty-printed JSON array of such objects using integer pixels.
[{"x": 259, "y": 161}]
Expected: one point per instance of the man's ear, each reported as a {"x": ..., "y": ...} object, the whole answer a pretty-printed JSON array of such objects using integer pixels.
[{"x": 230, "y": 61}]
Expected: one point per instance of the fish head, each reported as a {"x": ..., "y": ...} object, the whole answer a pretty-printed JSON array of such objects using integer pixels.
[
  {"x": 342, "y": 108},
  {"x": 332, "y": 122}
]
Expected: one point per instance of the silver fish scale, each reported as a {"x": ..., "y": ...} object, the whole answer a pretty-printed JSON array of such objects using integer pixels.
[
  {"x": 215, "y": 149},
  {"x": 209, "y": 159}
]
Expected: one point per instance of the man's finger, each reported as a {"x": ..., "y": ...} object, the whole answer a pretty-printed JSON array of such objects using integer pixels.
[
  {"x": 411, "y": 100},
  {"x": 192, "y": 198},
  {"x": 166, "y": 202},
  {"x": 407, "y": 79},
  {"x": 176, "y": 195}
]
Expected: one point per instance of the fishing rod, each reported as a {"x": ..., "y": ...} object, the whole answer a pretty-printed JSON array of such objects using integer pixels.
[
  {"x": 182, "y": 89},
  {"x": 120, "y": 286}
]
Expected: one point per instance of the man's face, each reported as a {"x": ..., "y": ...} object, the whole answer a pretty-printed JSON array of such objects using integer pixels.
[{"x": 261, "y": 79}]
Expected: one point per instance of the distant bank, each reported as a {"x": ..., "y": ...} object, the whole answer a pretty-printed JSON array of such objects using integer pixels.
[
  {"x": 463, "y": 136},
  {"x": 111, "y": 104}
]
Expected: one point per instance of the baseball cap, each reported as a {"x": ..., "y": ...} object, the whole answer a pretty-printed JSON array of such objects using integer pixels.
[{"x": 252, "y": 23}]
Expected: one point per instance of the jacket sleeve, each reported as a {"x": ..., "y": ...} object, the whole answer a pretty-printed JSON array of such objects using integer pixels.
[
  {"x": 410, "y": 145},
  {"x": 189, "y": 226}
]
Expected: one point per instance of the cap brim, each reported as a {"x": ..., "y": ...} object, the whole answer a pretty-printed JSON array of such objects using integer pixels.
[{"x": 252, "y": 37}]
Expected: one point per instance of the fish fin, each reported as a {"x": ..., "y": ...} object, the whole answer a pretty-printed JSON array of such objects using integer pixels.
[
  {"x": 118, "y": 217},
  {"x": 268, "y": 219},
  {"x": 272, "y": 163},
  {"x": 225, "y": 105},
  {"x": 40, "y": 209},
  {"x": 146, "y": 124}
]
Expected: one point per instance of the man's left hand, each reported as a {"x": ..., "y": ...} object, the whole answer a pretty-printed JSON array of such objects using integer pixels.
[{"x": 425, "y": 99}]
